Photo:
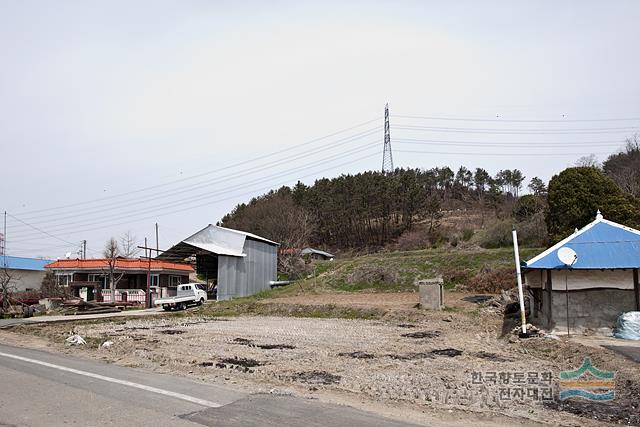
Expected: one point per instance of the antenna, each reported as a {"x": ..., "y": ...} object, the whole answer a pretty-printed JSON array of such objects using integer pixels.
[
  {"x": 567, "y": 256},
  {"x": 387, "y": 156}
]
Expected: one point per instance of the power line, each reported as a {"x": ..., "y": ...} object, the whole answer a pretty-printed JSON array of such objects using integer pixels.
[
  {"x": 505, "y": 144},
  {"x": 208, "y": 195},
  {"x": 494, "y": 154},
  {"x": 40, "y": 230},
  {"x": 126, "y": 204},
  {"x": 516, "y": 131},
  {"x": 463, "y": 119},
  {"x": 242, "y": 163},
  {"x": 160, "y": 214}
]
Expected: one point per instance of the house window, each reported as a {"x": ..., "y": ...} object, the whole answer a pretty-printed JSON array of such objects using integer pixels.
[
  {"x": 175, "y": 280},
  {"x": 98, "y": 278},
  {"x": 155, "y": 280},
  {"x": 64, "y": 279}
]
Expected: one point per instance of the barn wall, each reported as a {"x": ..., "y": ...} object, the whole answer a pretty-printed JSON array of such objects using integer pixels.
[
  {"x": 243, "y": 276},
  {"x": 590, "y": 309}
]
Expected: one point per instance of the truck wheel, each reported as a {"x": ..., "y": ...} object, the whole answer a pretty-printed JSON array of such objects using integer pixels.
[
  {"x": 201, "y": 301},
  {"x": 166, "y": 307},
  {"x": 182, "y": 306}
]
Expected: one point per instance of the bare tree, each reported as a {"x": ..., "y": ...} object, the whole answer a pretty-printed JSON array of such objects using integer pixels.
[
  {"x": 128, "y": 245},
  {"x": 111, "y": 253},
  {"x": 7, "y": 287},
  {"x": 590, "y": 161}
]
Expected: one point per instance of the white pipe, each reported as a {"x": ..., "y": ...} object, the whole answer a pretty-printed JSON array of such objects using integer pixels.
[{"x": 519, "y": 275}]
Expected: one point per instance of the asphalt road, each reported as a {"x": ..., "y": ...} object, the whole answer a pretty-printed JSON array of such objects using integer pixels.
[{"x": 47, "y": 389}]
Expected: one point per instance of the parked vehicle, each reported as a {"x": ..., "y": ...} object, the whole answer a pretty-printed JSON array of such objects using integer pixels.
[{"x": 187, "y": 294}]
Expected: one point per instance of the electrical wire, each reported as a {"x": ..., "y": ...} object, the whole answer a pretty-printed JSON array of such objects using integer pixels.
[
  {"x": 493, "y": 154},
  {"x": 208, "y": 195},
  {"x": 165, "y": 213},
  {"x": 126, "y": 204},
  {"x": 495, "y": 131},
  {"x": 462, "y": 119},
  {"x": 242, "y": 163}
]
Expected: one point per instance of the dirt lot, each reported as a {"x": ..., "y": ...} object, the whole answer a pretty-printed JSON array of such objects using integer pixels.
[{"x": 423, "y": 366}]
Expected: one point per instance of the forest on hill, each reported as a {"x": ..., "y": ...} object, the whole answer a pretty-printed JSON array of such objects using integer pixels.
[{"x": 416, "y": 208}]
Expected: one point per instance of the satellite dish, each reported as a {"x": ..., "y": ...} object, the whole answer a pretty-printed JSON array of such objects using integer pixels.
[
  {"x": 67, "y": 255},
  {"x": 567, "y": 256}
]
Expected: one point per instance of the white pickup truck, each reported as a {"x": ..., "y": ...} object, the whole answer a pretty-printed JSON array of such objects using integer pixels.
[{"x": 186, "y": 295}]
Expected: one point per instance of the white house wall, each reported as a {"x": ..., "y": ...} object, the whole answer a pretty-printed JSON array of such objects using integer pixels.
[
  {"x": 27, "y": 279},
  {"x": 582, "y": 279}
]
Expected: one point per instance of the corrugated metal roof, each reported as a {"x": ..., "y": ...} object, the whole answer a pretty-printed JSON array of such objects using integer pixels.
[
  {"x": 217, "y": 240},
  {"x": 20, "y": 263},
  {"x": 601, "y": 244},
  {"x": 308, "y": 251}
]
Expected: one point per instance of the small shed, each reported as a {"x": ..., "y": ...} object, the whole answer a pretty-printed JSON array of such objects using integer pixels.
[
  {"x": 316, "y": 254},
  {"x": 597, "y": 288},
  {"x": 238, "y": 263}
]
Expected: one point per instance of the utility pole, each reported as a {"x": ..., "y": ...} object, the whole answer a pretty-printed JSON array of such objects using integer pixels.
[
  {"x": 157, "y": 241},
  {"x": 148, "y": 251},
  {"x": 4, "y": 241},
  {"x": 84, "y": 249},
  {"x": 387, "y": 155}
]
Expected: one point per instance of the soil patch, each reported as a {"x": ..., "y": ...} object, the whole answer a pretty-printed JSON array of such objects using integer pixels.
[
  {"x": 607, "y": 412},
  {"x": 238, "y": 363},
  {"x": 247, "y": 342},
  {"x": 406, "y": 325},
  {"x": 478, "y": 299},
  {"x": 317, "y": 377},
  {"x": 491, "y": 356},
  {"x": 410, "y": 356},
  {"x": 451, "y": 352},
  {"x": 422, "y": 334},
  {"x": 275, "y": 346},
  {"x": 172, "y": 332},
  {"x": 358, "y": 355}
]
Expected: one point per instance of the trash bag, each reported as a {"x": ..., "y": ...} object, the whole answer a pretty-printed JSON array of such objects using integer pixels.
[
  {"x": 628, "y": 326},
  {"x": 75, "y": 340}
]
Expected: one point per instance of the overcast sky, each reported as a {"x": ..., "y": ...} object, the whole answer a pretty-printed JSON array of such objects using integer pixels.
[{"x": 115, "y": 115}]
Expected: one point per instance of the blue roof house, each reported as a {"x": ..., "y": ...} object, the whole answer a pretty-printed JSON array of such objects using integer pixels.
[
  {"x": 26, "y": 273},
  {"x": 598, "y": 284}
]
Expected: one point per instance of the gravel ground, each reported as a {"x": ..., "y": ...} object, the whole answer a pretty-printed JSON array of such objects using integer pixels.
[{"x": 430, "y": 364}]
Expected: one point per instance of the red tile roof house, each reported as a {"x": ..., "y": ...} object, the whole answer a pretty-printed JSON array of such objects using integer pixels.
[{"x": 84, "y": 275}]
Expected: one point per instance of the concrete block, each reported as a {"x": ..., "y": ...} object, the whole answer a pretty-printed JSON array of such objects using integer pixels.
[{"x": 431, "y": 293}]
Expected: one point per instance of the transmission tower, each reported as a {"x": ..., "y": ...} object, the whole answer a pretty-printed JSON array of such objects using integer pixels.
[{"x": 387, "y": 156}]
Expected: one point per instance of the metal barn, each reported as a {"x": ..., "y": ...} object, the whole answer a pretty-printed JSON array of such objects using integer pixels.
[{"x": 239, "y": 263}]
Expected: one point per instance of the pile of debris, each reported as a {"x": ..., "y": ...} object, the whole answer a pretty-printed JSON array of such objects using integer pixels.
[
  {"x": 79, "y": 306},
  {"x": 507, "y": 303}
]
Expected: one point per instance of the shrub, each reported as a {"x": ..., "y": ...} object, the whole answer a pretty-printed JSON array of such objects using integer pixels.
[
  {"x": 492, "y": 281},
  {"x": 467, "y": 234},
  {"x": 454, "y": 277},
  {"x": 375, "y": 274},
  {"x": 497, "y": 236}
]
